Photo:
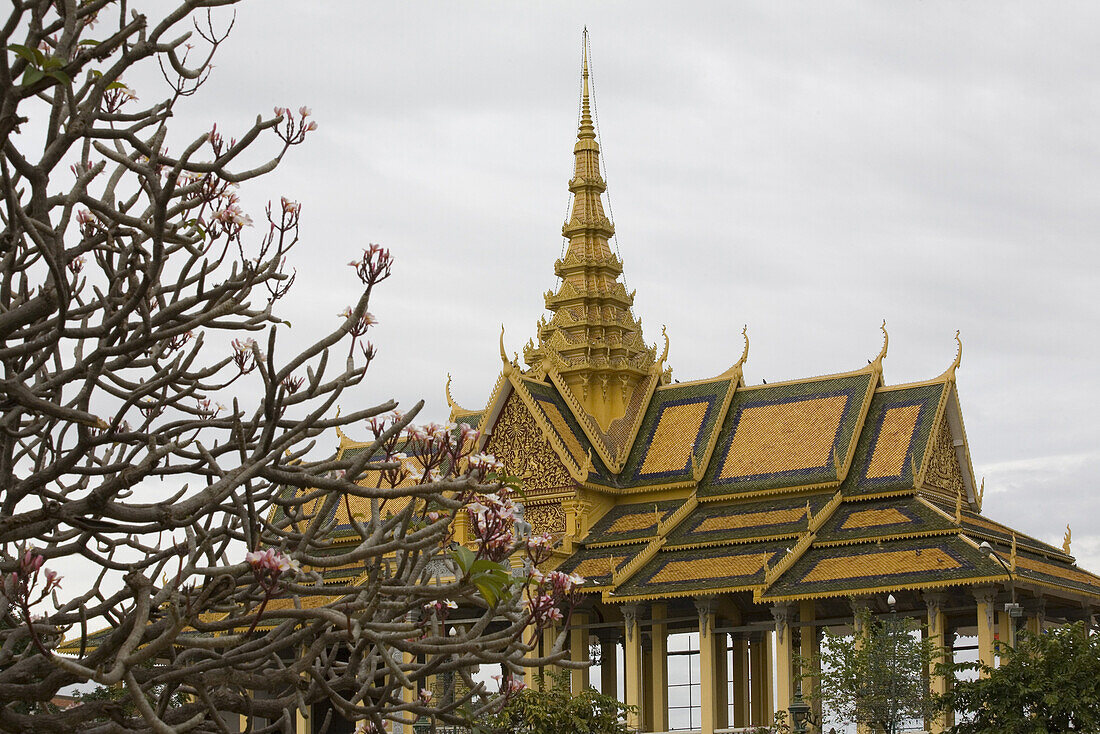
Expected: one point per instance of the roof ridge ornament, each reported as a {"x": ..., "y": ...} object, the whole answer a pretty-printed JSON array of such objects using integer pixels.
[
  {"x": 455, "y": 407},
  {"x": 504, "y": 353},
  {"x": 1066, "y": 540},
  {"x": 949, "y": 373},
  {"x": 736, "y": 367},
  {"x": 877, "y": 363}
]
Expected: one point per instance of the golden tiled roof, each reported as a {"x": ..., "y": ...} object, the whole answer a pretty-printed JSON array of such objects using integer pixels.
[
  {"x": 892, "y": 443},
  {"x": 874, "y": 518},
  {"x": 786, "y": 436},
  {"x": 693, "y": 569},
  {"x": 751, "y": 519},
  {"x": 673, "y": 442},
  {"x": 880, "y": 564}
]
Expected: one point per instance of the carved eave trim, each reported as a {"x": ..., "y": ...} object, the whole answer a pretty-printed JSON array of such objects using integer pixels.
[
  {"x": 575, "y": 470},
  {"x": 948, "y": 409},
  {"x": 650, "y": 386},
  {"x": 501, "y": 390},
  {"x": 763, "y": 598},
  {"x": 734, "y": 375},
  {"x": 770, "y": 492},
  {"x": 873, "y": 384},
  {"x": 805, "y": 542}
]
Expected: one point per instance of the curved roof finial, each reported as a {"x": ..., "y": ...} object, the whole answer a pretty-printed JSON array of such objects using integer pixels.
[
  {"x": 664, "y": 354},
  {"x": 455, "y": 407},
  {"x": 885, "y": 345},
  {"x": 503, "y": 353},
  {"x": 949, "y": 373},
  {"x": 736, "y": 367},
  {"x": 339, "y": 432}
]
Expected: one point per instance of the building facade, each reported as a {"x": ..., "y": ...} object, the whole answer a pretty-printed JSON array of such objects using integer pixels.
[{"x": 753, "y": 516}]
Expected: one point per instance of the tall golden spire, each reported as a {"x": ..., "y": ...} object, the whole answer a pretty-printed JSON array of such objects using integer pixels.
[{"x": 592, "y": 339}]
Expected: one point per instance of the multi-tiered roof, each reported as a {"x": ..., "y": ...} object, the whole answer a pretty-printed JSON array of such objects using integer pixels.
[{"x": 823, "y": 487}]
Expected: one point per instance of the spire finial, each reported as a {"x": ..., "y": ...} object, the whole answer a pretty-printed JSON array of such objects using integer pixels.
[{"x": 587, "y": 130}]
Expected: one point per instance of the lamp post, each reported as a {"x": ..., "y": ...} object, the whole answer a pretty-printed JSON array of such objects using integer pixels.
[
  {"x": 1014, "y": 610},
  {"x": 800, "y": 712},
  {"x": 892, "y": 703}
]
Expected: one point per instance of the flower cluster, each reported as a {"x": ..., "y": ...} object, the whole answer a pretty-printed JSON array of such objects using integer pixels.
[
  {"x": 293, "y": 129},
  {"x": 269, "y": 565},
  {"x": 244, "y": 354},
  {"x": 492, "y": 519},
  {"x": 547, "y": 593},
  {"x": 21, "y": 589},
  {"x": 374, "y": 266},
  {"x": 360, "y": 326}
]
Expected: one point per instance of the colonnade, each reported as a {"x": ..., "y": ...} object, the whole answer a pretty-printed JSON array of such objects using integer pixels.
[{"x": 763, "y": 665}]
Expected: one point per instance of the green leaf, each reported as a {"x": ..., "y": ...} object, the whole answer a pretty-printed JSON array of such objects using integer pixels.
[
  {"x": 89, "y": 42},
  {"x": 117, "y": 85},
  {"x": 32, "y": 75},
  {"x": 60, "y": 76},
  {"x": 32, "y": 55}
]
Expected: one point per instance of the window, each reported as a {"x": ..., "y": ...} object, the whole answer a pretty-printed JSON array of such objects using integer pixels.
[{"x": 684, "y": 711}]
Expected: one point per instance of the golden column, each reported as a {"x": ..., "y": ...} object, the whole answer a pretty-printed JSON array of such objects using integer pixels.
[
  {"x": 784, "y": 657},
  {"x": 1036, "y": 614},
  {"x": 609, "y": 663},
  {"x": 937, "y": 633},
  {"x": 708, "y": 684},
  {"x": 758, "y": 668},
  {"x": 809, "y": 649},
  {"x": 860, "y": 607},
  {"x": 986, "y": 596},
  {"x": 740, "y": 681},
  {"x": 632, "y": 664},
  {"x": 578, "y": 651},
  {"x": 658, "y": 671}
]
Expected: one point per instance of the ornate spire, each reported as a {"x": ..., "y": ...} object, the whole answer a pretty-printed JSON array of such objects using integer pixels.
[{"x": 592, "y": 339}]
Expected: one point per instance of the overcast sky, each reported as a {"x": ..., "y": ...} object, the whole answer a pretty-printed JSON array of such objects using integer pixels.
[{"x": 808, "y": 169}]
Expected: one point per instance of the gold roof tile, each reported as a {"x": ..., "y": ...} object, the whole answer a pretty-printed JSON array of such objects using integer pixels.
[
  {"x": 874, "y": 518},
  {"x": 880, "y": 564},
  {"x": 892, "y": 442},
  {"x": 694, "y": 569},
  {"x": 785, "y": 436},
  {"x": 751, "y": 519},
  {"x": 674, "y": 438}
]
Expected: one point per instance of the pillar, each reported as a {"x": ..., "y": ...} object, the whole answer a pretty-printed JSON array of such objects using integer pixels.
[
  {"x": 578, "y": 651},
  {"x": 1036, "y": 614},
  {"x": 766, "y": 661},
  {"x": 986, "y": 598},
  {"x": 609, "y": 663},
  {"x": 708, "y": 695},
  {"x": 784, "y": 657},
  {"x": 937, "y": 633},
  {"x": 722, "y": 679},
  {"x": 760, "y": 672},
  {"x": 740, "y": 674},
  {"x": 860, "y": 610},
  {"x": 632, "y": 663},
  {"x": 809, "y": 650},
  {"x": 647, "y": 684},
  {"x": 658, "y": 668},
  {"x": 408, "y": 695},
  {"x": 301, "y": 722},
  {"x": 1006, "y": 635}
]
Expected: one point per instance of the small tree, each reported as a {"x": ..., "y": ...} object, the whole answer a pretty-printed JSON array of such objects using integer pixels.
[
  {"x": 554, "y": 710},
  {"x": 145, "y": 433},
  {"x": 1049, "y": 683},
  {"x": 877, "y": 677}
]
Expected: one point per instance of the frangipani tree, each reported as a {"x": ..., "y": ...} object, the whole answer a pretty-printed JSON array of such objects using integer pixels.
[{"x": 139, "y": 310}]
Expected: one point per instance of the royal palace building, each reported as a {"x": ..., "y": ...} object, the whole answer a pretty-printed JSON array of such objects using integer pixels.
[{"x": 754, "y": 516}]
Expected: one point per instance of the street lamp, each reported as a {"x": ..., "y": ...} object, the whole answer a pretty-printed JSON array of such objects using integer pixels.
[
  {"x": 800, "y": 712},
  {"x": 893, "y": 603}
]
